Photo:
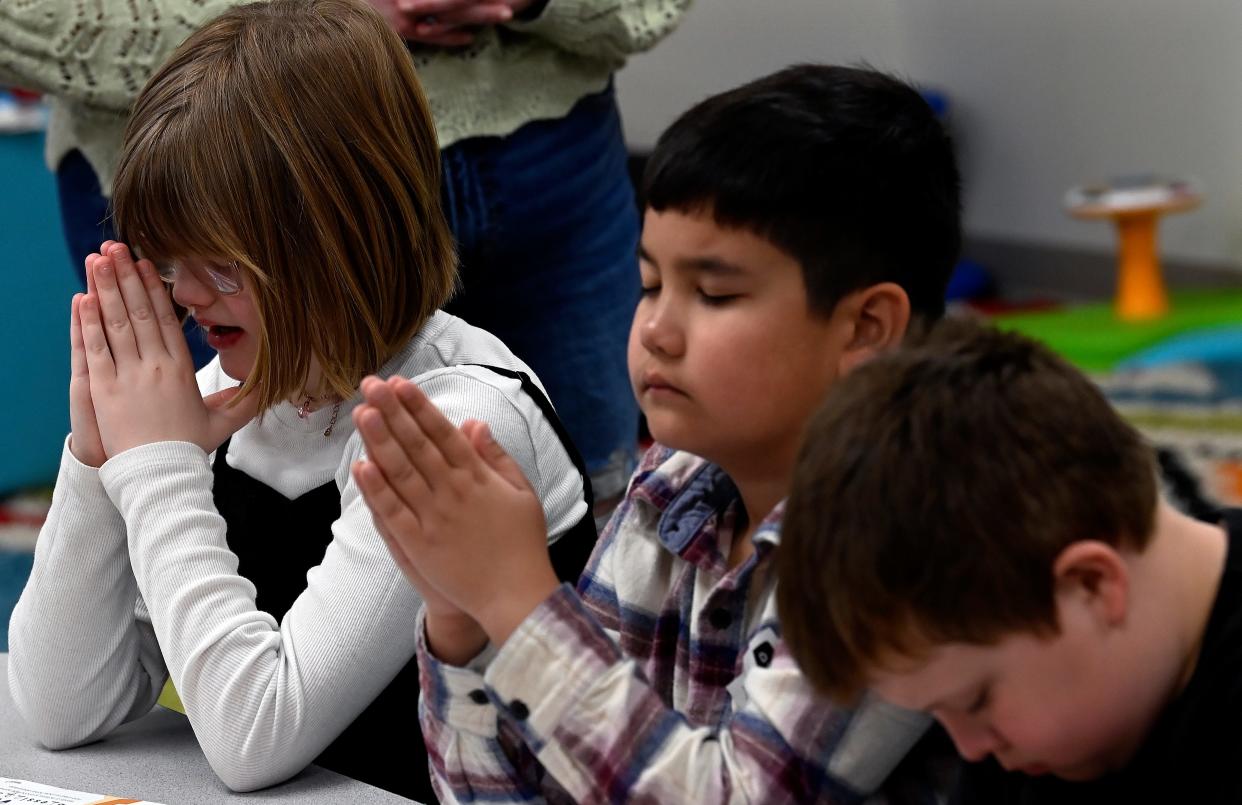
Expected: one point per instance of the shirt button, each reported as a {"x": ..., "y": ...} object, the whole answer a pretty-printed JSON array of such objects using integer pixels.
[
  {"x": 720, "y": 618},
  {"x": 478, "y": 696},
  {"x": 518, "y": 709}
]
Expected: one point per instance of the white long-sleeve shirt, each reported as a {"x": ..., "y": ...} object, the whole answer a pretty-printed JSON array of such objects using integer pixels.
[{"x": 133, "y": 581}]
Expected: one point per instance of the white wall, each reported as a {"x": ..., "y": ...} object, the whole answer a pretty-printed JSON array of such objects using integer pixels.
[
  {"x": 1054, "y": 92},
  {"x": 1046, "y": 93},
  {"x": 723, "y": 43}
]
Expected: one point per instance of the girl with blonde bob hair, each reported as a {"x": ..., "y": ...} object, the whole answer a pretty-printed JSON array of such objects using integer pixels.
[{"x": 280, "y": 173}]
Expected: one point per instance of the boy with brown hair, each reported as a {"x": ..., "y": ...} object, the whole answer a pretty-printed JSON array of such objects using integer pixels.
[
  {"x": 769, "y": 267},
  {"x": 974, "y": 532}
]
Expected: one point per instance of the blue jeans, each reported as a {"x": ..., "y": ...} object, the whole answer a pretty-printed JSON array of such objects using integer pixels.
[
  {"x": 87, "y": 222},
  {"x": 547, "y": 231}
]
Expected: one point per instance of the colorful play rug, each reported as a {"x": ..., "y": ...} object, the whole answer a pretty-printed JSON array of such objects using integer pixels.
[
  {"x": 1178, "y": 378},
  {"x": 1192, "y": 413},
  {"x": 1092, "y": 337}
]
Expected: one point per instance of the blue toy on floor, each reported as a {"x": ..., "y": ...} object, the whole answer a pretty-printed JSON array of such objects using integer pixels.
[{"x": 1214, "y": 345}]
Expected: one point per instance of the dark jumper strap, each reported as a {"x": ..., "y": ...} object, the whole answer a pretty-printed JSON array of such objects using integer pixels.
[
  {"x": 278, "y": 540},
  {"x": 570, "y": 553}
]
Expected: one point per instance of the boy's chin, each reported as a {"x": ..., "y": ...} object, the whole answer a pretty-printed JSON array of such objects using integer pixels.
[
  {"x": 1081, "y": 772},
  {"x": 664, "y": 435},
  {"x": 677, "y": 439}
]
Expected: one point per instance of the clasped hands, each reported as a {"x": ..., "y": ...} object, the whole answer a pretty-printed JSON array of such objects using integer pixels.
[
  {"x": 132, "y": 378},
  {"x": 458, "y": 515},
  {"x": 447, "y": 23}
]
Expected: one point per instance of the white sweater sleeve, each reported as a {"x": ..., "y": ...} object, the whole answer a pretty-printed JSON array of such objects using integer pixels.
[
  {"x": 263, "y": 698},
  {"x": 80, "y": 662}
]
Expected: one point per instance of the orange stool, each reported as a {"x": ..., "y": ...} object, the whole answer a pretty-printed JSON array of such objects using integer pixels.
[{"x": 1135, "y": 205}]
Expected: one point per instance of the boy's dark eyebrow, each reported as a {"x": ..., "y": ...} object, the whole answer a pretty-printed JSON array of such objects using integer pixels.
[{"x": 709, "y": 265}]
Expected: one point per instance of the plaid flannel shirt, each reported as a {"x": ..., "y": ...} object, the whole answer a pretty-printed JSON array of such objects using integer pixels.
[{"x": 663, "y": 679}]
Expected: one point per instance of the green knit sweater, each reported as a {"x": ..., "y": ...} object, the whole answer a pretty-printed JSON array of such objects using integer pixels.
[{"x": 92, "y": 57}]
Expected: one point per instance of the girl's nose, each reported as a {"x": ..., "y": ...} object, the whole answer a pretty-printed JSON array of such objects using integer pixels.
[{"x": 190, "y": 292}]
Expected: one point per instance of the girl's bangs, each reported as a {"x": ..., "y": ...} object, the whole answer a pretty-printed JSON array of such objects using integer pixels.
[{"x": 174, "y": 199}]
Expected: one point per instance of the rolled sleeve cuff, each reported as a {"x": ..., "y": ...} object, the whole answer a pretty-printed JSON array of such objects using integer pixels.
[
  {"x": 149, "y": 465},
  {"x": 549, "y": 663},
  {"x": 456, "y": 696},
  {"x": 81, "y": 506},
  {"x": 81, "y": 477}
]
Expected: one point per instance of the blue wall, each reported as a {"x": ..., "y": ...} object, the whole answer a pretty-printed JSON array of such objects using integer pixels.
[{"x": 36, "y": 284}]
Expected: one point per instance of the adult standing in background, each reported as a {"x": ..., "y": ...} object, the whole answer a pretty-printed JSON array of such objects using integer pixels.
[
  {"x": 536, "y": 188},
  {"x": 538, "y": 192},
  {"x": 91, "y": 59}
]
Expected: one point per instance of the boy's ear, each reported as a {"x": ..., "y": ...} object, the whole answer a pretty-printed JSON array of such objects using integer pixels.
[
  {"x": 1094, "y": 573},
  {"x": 878, "y": 316}
]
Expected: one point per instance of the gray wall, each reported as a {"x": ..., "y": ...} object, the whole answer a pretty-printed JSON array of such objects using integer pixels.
[
  {"x": 722, "y": 43},
  {"x": 1046, "y": 93}
]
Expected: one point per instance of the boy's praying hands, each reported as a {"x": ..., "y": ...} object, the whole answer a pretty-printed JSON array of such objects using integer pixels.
[{"x": 458, "y": 515}]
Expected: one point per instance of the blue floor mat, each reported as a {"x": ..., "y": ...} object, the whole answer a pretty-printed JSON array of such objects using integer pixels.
[{"x": 14, "y": 570}]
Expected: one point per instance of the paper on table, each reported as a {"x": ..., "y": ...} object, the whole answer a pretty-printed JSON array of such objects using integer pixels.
[{"x": 22, "y": 792}]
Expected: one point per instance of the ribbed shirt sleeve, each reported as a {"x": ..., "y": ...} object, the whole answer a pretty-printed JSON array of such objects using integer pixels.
[
  {"x": 263, "y": 698},
  {"x": 80, "y": 662}
]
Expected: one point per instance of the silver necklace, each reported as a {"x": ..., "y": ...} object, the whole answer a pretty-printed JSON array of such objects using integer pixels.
[{"x": 304, "y": 410}]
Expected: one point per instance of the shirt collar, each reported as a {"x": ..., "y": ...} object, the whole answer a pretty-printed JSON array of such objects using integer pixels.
[{"x": 686, "y": 492}]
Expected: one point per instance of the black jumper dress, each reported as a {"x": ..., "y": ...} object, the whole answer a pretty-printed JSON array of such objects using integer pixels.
[{"x": 277, "y": 540}]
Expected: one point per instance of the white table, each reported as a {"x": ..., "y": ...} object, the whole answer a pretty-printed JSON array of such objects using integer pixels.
[{"x": 156, "y": 758}]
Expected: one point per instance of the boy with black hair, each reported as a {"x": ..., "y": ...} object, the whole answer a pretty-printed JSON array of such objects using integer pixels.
[
  {"x": 794, "y": 227},
  {"x": 973, "y": 531}
]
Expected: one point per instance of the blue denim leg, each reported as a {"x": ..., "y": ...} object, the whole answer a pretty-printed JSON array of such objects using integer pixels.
[
  {"x": 87, "y": 222},
  {"x": 547, "y": 231}
]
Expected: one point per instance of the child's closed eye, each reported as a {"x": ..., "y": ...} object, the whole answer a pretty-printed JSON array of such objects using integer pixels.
[
  {"x": 717, "y": 299},
  {"x": 981, "y": 701}
]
